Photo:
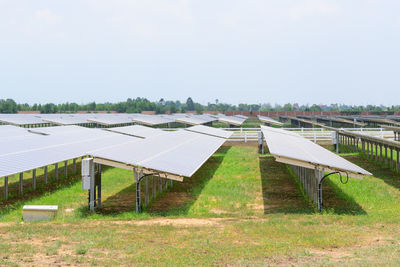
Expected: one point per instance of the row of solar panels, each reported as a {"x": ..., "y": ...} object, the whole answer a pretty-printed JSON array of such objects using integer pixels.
[
  {"x": 178, "y": 152},
  {"x": 118, "y": 119},
  {"x": 174, "y": 154}
]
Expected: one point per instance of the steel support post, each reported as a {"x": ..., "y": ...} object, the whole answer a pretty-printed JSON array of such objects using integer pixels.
[
  {"x": 99, "y": 186},
  {"x": 319, "y": 174},
  {"x": 74, "y": 165},
  {"x": 160, "y": 187},
  {"x": 6, "y": 187},
  {"x": 56, "y": 170},
  {"x": 92, "y": 187},
  {"x": 138, "y": 177},
  {"x": 34, "y": 179},
  {"x": 146, "y": 197},
  {"x": 391, "y": 158},
  {"x": 66, "y": 168},
  {"x": 386, "y": 157},
  {"x": 154, "y": 188},
  {"x": 337, "y": 142},
  {"x": 45, "y": 174},
  {"x": 21, "y": 186},
  {"x": 362, "y": 147},
  {"x": 357, "y": 140}
]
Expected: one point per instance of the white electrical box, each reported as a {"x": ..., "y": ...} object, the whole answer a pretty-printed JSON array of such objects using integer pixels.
[
  {"x": 260, "y": 138},
  {"x": 334, "y": 138},
  {"x": 86, "y": 166},
  {"x": 85, "y": 182},
  {"x": 87, "y": 173}
]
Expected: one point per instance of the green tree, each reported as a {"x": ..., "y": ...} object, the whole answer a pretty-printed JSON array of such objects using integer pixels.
[{"x": 189, "y": 104}]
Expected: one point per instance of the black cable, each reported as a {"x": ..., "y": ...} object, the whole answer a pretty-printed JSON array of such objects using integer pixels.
[
  {"x": 347, "y": 178},
  {"x": 341, "y": 177}
]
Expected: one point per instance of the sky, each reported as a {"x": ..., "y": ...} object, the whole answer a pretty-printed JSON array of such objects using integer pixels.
[{"x": 250, "y": 51}]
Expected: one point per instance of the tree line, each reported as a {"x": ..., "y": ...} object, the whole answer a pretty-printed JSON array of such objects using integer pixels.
[{"x": 137, "y": 105}]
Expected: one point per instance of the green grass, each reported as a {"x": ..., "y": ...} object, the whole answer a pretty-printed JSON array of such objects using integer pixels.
[{"x": 240, "y": 208}]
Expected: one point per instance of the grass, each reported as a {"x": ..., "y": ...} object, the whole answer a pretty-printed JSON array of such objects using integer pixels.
[{"x": 240, "y": 208}]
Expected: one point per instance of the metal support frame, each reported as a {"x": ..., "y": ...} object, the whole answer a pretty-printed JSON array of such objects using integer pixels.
[
  {"x": 311, "y": 181},
  {"x": 139, "y": 176},
  {"x": 320, "y": 177}
]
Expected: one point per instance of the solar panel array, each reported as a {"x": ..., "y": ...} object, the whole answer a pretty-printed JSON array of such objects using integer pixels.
[
  {"x": 33, "y": 120},
  {"x": 19, "y": 154},
  {"x": 21, "y": 119},
  {"x": 179, "y": 152}
]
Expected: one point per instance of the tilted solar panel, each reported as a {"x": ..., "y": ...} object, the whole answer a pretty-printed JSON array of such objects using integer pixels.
[
  {"x": 210, "y": 131},
  {"x": 180, "y": 153},
  {"x": 269, "y": 120},
  {"x": 137, "y": 130},
  {"x": 288, "y": 147}
]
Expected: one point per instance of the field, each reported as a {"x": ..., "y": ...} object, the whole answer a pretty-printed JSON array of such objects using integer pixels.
[{"x": 239, "y": 209}]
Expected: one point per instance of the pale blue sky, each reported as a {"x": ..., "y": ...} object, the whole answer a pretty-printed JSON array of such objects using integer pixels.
[{"x": 235, "y": 51}]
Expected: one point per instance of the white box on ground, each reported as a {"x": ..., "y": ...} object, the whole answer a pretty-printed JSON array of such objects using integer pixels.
[{"x": 31, "y": 213}]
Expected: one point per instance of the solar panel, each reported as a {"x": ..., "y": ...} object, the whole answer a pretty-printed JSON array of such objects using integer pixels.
[
  {"x": 110, "y": 119},
  {"x": 66, "y": 119},
  {"x": 290, "y": 148},
  {"x": 180, "y": 153},
  {"x": 12, "y": 131},
  {"x": 67, "y": 129},
  {"x": 210, "y": 131},
  {"x": 269, "y": 120},
  {"x": 191, "y": 120},
  {"x": 137, "y": 130},
  {"x": 231, "y": 120},
  {"x": 20, "y": 119},
  {"x": 241, "y": 116},
  {"x": 151, "y": 120}
]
